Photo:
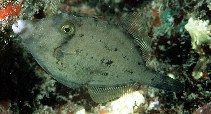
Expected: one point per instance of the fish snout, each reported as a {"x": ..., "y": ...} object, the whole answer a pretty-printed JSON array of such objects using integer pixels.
[{"x": 19, "y": 26}]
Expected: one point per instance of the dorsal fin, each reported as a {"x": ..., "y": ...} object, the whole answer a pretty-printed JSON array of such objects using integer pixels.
[
  {"x": 105, "y": 94},
  {"x": 136, "y": 24}
]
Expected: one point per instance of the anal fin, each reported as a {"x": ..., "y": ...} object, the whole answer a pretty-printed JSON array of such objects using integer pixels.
[{"x": 105, "y": 94}]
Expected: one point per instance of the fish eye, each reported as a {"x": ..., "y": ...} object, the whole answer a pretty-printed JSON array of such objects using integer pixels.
[{"x": 68, "y": 29}]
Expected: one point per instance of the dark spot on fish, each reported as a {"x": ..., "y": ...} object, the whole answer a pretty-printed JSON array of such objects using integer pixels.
[
  {"x": 105, "y": 74},
  {"x": 115, "y": 49},
  {"x": 102, "y": 60},
  {"x": 107, "y": 47},
  {"x": 109, "y": 62},
  {"x": 129, "y": 71},
  {"x": 81, "y": 35},
  {"x": 78, "y": 51},
  {"x": 125, "y": 57},
  {"x": 91, "y": 72},
  {"x": 106, "y": 62}
]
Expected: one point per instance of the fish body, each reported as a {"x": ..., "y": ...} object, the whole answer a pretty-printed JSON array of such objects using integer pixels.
[{"x": 85, "y": 51}]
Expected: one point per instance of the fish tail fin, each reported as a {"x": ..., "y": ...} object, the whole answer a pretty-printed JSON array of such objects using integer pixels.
[{"x": 167, "y": 83}]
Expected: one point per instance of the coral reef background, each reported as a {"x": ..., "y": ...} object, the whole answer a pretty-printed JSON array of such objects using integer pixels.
[{"x": 25, "y": 88}]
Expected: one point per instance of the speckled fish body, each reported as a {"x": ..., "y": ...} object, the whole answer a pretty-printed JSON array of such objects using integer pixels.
[{"x": 97, "y": 54}]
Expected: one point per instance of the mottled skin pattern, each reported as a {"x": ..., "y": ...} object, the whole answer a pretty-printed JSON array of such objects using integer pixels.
[{"x": 97, "y": 54}]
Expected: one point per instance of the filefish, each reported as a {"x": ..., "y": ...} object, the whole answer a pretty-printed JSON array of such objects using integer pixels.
[{"x": 90, "y": 52}]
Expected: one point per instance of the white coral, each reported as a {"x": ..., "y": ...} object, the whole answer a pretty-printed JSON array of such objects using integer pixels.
[{"x": 199, "y": 31}]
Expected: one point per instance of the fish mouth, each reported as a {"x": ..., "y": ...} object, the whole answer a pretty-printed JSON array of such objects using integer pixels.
[{"x": 19, "y": 26}]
